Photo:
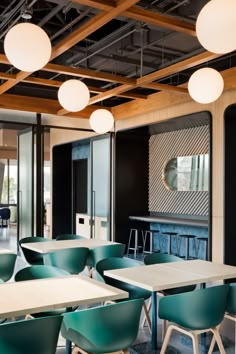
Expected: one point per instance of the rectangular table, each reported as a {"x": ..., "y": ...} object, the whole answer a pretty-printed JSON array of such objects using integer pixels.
[
  {"x": 165, "y": 276},
  {"x": 51, "y": 246},
  {"x": 33, "y": 296}
]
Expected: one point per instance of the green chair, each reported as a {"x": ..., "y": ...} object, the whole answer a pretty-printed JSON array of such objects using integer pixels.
[
  {"x": 69, "y": 237},
  {"x": 32, "y": 257},
  {"x": 103, "y": 329},
  {"x": 230, "y": 312},
  {"x": 194, "y": 313},
  {"x": 7, "y": 265},
  {"x": 98, "y": 253},
  {"x": 38, "y": 336},
  {"x": 73, "y": 260},
  {"x": 41, "y": 272},
  {"x": 134, "y": 291}
]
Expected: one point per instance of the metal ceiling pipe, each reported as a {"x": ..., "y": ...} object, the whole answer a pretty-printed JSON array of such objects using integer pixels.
[
  {"x": 52, "y": 13},
  {"x": 12, "y": 14},
  {"x": 16, "y": 19}
]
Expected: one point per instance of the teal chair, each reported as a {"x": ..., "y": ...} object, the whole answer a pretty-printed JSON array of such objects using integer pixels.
[
  {"x": 73, "y": 260},
  {"x": 7, "y": 265},
  {"x": 69, "y": 237},
  {"x": 194, "y": 313},
  {"x": 41, "y": 272},
  {"x": 103, "y": 329},
  {"x": 38, "y": 336},
  {"x": 134, "y": 291},
  {"x": 98, "y": 253},
  {"x": 32, "y": 257},
  {"x": 230, "y": 311}
]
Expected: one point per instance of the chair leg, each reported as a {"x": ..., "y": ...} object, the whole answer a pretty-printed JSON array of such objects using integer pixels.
[
  {"x": 211, "y": 348},
  {"x": 166, "y": 339},
  {"x": 147, "y": 316},
  {"x": 195, "y": 343},
  {"x": 148, "y": 308},
  {"x": 218, "y": 340},
  {"x": 164, "y": 328}
]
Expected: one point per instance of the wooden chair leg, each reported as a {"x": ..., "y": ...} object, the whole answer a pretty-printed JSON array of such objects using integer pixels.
[
  {"x": 218, "y": 340},
  {"x": 148, "y": 308},
  {"x": 164, "y": 328},
  {"x": 195, "y": 343},
  {"x": 211, "y": 348},
  {"x": 147, "y": 316},
  {"x": 166, "y": 339}
]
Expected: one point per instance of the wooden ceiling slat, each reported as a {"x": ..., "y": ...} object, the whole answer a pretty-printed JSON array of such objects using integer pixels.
[
  {"x": 156, "y": 19},
  {"x": 169, "y": 70},
  {"x": 164, "y": 87},
  {"x": 72, "y": 39},
  {"x": 89, "y": 27},
  {"x": 146, "y": 16},
  {"x": 86, "y": 73}
]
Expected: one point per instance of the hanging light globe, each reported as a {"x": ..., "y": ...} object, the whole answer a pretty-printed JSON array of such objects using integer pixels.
[
  {"x": 101, "y": 121},
  {"x": 73, "y": 95},
  {"x": 27, "y": 47},
  {"x": 216, "y": 26},
  {"x": 205, "y": 85}
]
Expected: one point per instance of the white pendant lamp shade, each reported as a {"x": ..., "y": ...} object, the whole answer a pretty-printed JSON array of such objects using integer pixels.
[
  {"x": 73, "y": 95},
  {"x": 101, "y": 121},
  {"x": 27, "y": 47},
  {"x": 205, "y": 85},
  {"x": 216, "y": 26}
]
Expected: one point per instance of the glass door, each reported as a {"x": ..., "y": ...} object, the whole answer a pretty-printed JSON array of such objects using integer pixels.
[
  {"x": 100, "y": 187},
  {"x": 25, "y": 225}
]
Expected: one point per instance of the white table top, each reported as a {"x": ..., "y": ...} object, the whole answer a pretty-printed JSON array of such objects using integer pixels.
[
  {"x": 4, "y": 251},
  {"x": 164, "y": 276},
  {"x": 51, "y": 246},
  {"x": 32, "y": 296}
]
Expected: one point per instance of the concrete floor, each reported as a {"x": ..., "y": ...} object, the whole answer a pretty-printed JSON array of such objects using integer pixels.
[{"x": 182, "y": 344}]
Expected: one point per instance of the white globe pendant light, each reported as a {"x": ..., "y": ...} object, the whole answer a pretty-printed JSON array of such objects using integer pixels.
[
  {"x": 73, "y": 95},
  {"x": 101, "y": 121},
  {"x": 205, "y": 85},
  {"x": 216, "y": 26},
  {"x": 27, "y": 47}
]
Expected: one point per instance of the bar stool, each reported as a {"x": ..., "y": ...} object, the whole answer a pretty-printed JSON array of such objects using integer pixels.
[
  {"x": 187, "y": 239},
  {"x": 134, "y": 232},
  {"x": 170, "y": 236},
  {"x": 149, "y": 233},
  {"x": 203, "y": 240}
]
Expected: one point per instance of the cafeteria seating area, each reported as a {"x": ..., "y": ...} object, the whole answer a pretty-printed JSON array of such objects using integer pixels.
[{"x": 103, "y": 257}]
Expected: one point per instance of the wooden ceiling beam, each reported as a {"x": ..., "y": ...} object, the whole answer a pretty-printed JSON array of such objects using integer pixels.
[
  {"x": 146, "y": 16},
  {"x": 82, "y": 32},
  {"x": 88, "y": 74},
  {"x": 42, "y": 105},
  {"x": 164, "y": 87}
]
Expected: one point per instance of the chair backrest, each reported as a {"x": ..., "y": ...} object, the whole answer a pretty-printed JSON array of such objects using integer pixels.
[
  {"x": 98, "y": 253},
  {"x": 155, "y": 258},
  {"x": 7, "y": 265},
  {"x": 118, "y": 263},
  {"x": 231, "y": 302},
  {"x": 32, "y": 257},
  {"x": 69, "y": 237},
  {"x": 5, "y": 213},
  {"x": 39, "y": 272},
  {"x": 104, "y": 329},
  {"x": 199, "y": 309},
  {"x": 73, "y": 260},
  {"x": 38, "y": 336}
]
